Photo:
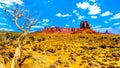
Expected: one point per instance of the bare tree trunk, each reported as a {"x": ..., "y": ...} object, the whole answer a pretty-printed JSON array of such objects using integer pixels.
[
  {"x": 15, "y": 16},
  {"x": 17, "y": 55}
]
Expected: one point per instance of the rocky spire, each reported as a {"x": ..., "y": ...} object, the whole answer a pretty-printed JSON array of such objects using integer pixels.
[{"x": 84, "y": 24}]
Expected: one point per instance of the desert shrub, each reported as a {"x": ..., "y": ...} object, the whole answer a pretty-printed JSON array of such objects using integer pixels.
[
  {"x": 2, "y": 45},
  {"x": 103, "y": 46},
  {"x": 52, "y": 50},
  {"x": 111, "y": 46},
  {"x": 11, "y": 55},
  {"x": 39, "y": 40},
  {"x": 90, "y": 40},
  {"x": 43, "y": 39},
  {"x": 91, "y": 48},
  {"x": 81, "y": 36},
  {"x": 13, "y": 37},
  {"x": 103, "y": 37},
  {"x": 86, "y": 37},
  {"x": 32, "y": 38},
  {"x": 58, "y": 48},
  {"x": 27, "y": 42},
  {"x": 53, "y": 66},
  {"x": 84, "y": 47},
  {"x": 34, "y": 48}
]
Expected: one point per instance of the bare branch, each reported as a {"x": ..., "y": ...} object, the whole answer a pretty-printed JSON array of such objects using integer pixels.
[
  {"x": 16, "y": 23},
  {"x": 33, "y": 21},
  {"x": 26, "y": 21},
  {"x": 8, "y": 14}
]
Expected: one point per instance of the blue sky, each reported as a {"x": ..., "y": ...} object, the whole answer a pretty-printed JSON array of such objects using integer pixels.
[{"x": 101, "y": 14}]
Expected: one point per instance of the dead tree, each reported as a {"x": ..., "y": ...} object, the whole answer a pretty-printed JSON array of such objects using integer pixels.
[{"x": 16, "y": 14}]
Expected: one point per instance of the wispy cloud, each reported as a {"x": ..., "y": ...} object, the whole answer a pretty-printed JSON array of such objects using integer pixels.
[
  {"x": 67, "y": 25},
  {"x": 6, "y": 29},
  {"x": 45, "y": 24},
  {"x": 3, "y": 19},
  {"x": 7, "y": 3},
  {"x": 106, "y": 22},
  {"x": 96, "y": 27},
  {"x": 37, "y": 27},
  {"x": 73, "y": 20},
  {"x": 107, "y": 13},
  {"x": 92, "y": 0},
  {"x": 3, "y": 24},
  {"x": 76, "y": 13},
  {"x": 116, "y": 16},
  {"x": 118, "y": 23},
  {"x": 63, "y": 15},
  {"x": 80, "y": 17},
  {"x": 45, "y": 20},
  {"x": 94, "y": 17}
]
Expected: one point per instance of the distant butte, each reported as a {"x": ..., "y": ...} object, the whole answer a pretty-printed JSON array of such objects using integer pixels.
[
  {"x": 84, "y": 29},
  {"x": 106, "y": 32}
]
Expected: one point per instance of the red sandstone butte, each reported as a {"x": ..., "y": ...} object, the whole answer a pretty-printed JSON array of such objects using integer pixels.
[{"x": 84, "y": 28}]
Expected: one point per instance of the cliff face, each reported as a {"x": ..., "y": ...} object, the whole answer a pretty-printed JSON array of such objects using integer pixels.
[
  {"x": 84, "y": 24},
  {"x": 60, "y": 30},
  {"x": 84, "y": 28}
]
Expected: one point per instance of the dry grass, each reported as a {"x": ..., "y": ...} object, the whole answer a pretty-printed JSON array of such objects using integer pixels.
[{"x": 67, "y": 51}]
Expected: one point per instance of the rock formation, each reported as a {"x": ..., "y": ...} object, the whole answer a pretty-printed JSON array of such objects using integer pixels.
[
  {"x": 60, "y": 30},
  {"x": 84, "y": 24},
  {"x": 106, "y": 32},
  {"x": 84, "y": 28}
]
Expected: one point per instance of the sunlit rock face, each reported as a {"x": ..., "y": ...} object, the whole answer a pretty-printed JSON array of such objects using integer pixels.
[
  {"x": 59, "y": 30},
  {"x": 84, "y": 24},
  {"x": 84, "y": 28}
]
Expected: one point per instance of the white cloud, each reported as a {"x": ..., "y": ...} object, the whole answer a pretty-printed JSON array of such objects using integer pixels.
[
  {"x": 67, "y": 25},
  {"x": 94, "y": 9},
  {"x": 107, "y": 13},
  {"x": 118, "y": 23},
  {"x": 52, "y": 26},
  {"x": 96, "y": 27},
  {"x": 3, "y": 24},
  {"x": 92, "y": 0},
  {"x": 48, "y": 1},
  {"x": 45, "y": 20},
  {"x": 106, "y": 22},
  {"x": 73, "y": 20},
  {"x": 37, "y": 27},
  {"x": 83, "y": 5},
  {"x": 10, "y": 2},
  {"x": 80, "y": 17},
  {"x": 6, "y": 29},
  {"x": 117, "y": 16},
  {"x": 3, "y": 19},
  {"x": 74, "y": 11},
  {"x": 58, "y": 14},
  {"x": 45, "y": 24},
  {"x": 94, "y": 17},
  {"x": 63, "y": 15}
]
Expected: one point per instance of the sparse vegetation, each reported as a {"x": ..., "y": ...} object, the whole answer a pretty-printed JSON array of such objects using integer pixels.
[{"x": 67, "y": 51}]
